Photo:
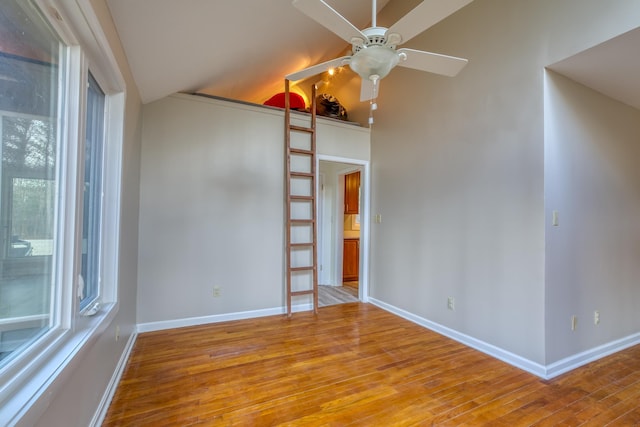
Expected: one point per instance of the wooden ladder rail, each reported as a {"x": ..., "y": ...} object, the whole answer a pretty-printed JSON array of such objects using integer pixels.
[{"x": 311, "y": 222}]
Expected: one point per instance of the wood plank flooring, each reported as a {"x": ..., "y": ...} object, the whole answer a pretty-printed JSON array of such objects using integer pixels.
[
  {"x": 330, "y": 295},
  {"x": 355, "y": 365}
]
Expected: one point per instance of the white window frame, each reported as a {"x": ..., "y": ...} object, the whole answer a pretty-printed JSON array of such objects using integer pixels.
[
  {"x": 29, "y": 381},
  {"x": 95, "y": 299}
]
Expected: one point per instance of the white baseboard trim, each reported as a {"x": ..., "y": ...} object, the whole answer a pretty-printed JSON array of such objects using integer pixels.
[
  {"x": 491, "y": 350},
  {"x": 572, "y": 362},
  {"x": 543, "y": 371},
  {"x": 103, "y": 407},
  {"x": 217, "y": 318}
]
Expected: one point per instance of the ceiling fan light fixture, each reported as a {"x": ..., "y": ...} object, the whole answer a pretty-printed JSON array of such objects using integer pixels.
[{"x": 374, "y": 61}]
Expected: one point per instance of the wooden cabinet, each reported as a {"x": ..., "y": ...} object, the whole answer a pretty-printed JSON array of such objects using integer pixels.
[
  {"x": 350, "y": 260},
  {"x": 352, "y": 193}
]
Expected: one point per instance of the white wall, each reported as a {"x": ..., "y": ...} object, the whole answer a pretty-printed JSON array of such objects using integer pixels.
[
  {"x": 592, "y": 179},
  {"x": 77, "y": 402},
  {"x": 212, "y": 205},
  {"x": 458, "y": 169}
]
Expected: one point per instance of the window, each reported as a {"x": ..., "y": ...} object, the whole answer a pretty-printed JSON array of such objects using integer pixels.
[
  {"x": 92, "y": 207},
  {"x": 61, "y": 122},
  {"x": 29, "y": 181}
]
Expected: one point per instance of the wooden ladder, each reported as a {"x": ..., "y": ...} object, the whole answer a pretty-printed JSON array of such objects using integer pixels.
[{"x": 300, "y": 187}]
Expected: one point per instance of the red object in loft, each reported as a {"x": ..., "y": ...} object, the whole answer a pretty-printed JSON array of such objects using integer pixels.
[{"x": 277, "y": 100}]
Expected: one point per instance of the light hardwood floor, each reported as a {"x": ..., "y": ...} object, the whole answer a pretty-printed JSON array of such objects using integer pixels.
[
  {"x": 330, "y": 295},
  {"x": 355, "y": 365}
]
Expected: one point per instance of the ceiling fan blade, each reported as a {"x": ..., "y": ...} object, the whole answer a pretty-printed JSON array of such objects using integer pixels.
[
  {"x": 318, "y": 68},
  {"x": 423, "y": 16},
  {"x": 327, "y": 16},
  {"x": 432, "y": 62}
]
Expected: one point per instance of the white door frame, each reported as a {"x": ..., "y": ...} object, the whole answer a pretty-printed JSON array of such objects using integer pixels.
[
  {"x": 363, "y": 285},
  {"x": 323, "y": 276}
]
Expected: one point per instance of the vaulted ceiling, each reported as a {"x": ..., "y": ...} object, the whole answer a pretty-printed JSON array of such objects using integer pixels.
[
  {"x": 242, "y": 49},
  {"x": 611, "y": 68},
  {"x": 239, "y": 49}
]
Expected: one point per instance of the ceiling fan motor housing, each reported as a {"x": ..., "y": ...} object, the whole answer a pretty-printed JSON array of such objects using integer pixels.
[
  {"x": 376, "y": 36},
  {"x": 375, "y": 57}
]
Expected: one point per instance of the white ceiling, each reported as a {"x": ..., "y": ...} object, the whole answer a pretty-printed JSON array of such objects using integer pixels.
[
  {"x": 242, "y": 49},
  {"x": 239, "y": 49}
]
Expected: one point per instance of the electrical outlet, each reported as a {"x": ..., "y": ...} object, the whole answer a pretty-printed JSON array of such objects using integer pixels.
[
  {"x": 451, "y": 303},
  {"x": 117, "y": 332},
  {"x": 217, "y": 291},
  {"x": 596, "y": 317},
  {"x": 574, "y": 323}
]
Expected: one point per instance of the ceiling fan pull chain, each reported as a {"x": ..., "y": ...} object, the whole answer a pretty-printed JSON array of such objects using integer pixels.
[{"x": 373, "y": 103}]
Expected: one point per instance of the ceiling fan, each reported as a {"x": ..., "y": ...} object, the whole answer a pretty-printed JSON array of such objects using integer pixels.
[{"x": 374, "y": 52}]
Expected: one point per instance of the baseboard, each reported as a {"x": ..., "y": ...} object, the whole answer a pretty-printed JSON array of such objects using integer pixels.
[
  {"x": 103, "y": 407},
  {"x": 506, "y": 356},
  {"x": 543, "y": 371},
  {"x": 572, "y": 362},
  {"x": 217, "y": 318}
]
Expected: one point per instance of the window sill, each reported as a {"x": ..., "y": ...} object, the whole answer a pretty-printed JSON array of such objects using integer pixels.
[{"x": 33, "y": 393}]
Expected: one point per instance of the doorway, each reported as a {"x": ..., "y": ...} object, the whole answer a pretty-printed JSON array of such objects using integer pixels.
[
  {"x": 351, "y": 232},
  {"x": 342, "y": 230}
]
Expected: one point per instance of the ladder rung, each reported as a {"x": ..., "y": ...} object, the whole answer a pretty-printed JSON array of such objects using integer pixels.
[
  {"x": 296, "y": 293},
  {"x": 301, "y": 245},
  {"x": 301, "y": 151},
  {"x": 302, "y": 174},
  {"x": 301, "y": 197},
  {"x": 306, "y": 268},
  {"x": 303, "y": 221},
  {"x": 301, "y": 128}
]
